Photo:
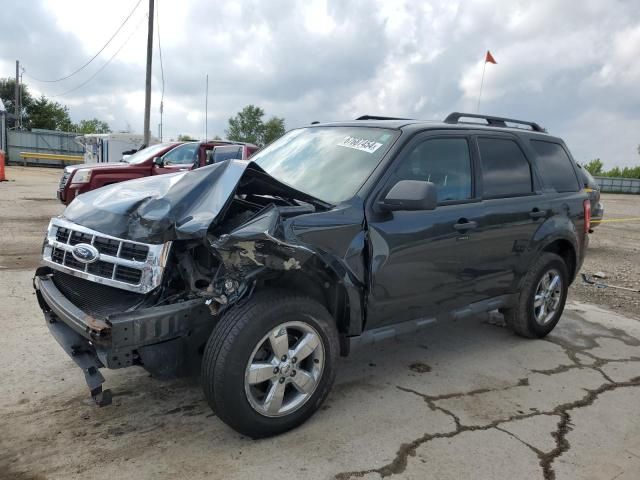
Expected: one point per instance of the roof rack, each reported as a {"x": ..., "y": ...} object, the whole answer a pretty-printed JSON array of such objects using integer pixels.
[
  {"x": 377, "y": 117},
  {"x": 455, "y": 117}
]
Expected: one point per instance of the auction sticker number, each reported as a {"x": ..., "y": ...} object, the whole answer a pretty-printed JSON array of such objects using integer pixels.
[{"x": 361, "y": 144}]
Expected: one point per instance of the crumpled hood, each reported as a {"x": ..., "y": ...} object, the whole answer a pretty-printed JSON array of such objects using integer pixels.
[
  {"x": 159, "y": 208},
  {"x": 171, "y": 206}
]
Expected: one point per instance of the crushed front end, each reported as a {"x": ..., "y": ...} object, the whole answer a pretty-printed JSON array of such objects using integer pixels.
[
  {"x": 139, "y": 272},
  {"x": 107, "y": 307}
]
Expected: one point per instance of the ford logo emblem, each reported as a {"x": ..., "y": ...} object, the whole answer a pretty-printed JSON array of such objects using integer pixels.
[{"x": 85, "y": 253}]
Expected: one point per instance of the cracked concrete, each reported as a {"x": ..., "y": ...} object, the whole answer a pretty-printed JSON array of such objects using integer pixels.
[
  {"x": 506, "y": 408},
  {"x": 463, "y": 399}
]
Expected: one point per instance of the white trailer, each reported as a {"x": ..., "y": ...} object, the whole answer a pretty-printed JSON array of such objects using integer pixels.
[{"x": 110, "y": 147}]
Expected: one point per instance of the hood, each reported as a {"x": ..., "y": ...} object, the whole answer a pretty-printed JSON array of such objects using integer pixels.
[
  {"x": 173, "y": 206},
  {"x": 95, "y": 166}
]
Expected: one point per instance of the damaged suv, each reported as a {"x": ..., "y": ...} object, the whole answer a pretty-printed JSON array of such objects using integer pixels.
[{"x": 259, "y": 274}]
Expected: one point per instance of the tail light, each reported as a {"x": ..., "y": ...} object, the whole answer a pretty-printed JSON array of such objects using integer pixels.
[{"x": 587, "y": 216}]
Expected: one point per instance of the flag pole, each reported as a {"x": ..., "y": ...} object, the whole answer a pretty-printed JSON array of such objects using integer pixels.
[{"x": 484, "y": 67}]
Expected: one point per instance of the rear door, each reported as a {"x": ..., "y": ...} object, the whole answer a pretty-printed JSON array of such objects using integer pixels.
[{"x": 514, "y": 208}]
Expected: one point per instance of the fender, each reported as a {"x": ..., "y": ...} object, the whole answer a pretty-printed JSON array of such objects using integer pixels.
[
  {"x": 271, "y": 249},
  {"x": 554, "y": 228}
]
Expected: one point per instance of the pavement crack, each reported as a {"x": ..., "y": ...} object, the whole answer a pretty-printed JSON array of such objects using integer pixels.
[
  {"x": 535, "y": 450},
  {"x": 562, "y": 444},
  {"x": 558, "y": 369},
  {"x": 546, "y": 459},
  {"x": 523, "y": 382}
]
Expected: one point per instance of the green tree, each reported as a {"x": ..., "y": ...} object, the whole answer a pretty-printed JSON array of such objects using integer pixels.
[
  {"x": 594, "y": 167},
  {"x": 186, "y": 138},
  {"x": 49, "y": 115},
  {"x": 92, "y": 126},
  {"x": 273, "y": 129},
  {"x": 8, "y": 95},
  {"x": 247, "y": 125},
  {"x": 614, "y": 172}
]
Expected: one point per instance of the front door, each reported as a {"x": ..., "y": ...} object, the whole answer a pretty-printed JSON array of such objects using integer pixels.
[
  {"x": 424, "y": 262},
  {"x": 181, "y": 158}
]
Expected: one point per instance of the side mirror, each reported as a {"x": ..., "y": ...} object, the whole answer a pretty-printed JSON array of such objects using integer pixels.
[
  {"x": 411, "y": 195},
  {"x": 157, "y": 161}
]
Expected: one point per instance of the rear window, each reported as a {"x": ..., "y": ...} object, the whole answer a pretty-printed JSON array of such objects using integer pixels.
[
  {"x": 555, "y": 166},
  {"x": 505, "y": 170}
]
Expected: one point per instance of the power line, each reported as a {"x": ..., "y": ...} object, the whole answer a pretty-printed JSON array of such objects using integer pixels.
[
  {"x": 104, "y": 65},
  {"x": 95, "y": 56}
]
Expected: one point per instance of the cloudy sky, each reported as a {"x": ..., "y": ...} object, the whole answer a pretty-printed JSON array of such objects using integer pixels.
[{"x": 572, "y": 66}]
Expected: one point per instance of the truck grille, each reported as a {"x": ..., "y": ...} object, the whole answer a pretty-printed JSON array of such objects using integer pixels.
[
  {"x": 119, "y": 263},
  {"x": 63, "y": 180}
]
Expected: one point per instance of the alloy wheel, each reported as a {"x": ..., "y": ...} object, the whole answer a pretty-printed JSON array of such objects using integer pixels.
[
  {"x": 547, "y": 297},
  {"x": 284, "y": 369}
]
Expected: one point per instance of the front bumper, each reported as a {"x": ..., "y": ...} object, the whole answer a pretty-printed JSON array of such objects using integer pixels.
[{"x": 122, "y": 339}]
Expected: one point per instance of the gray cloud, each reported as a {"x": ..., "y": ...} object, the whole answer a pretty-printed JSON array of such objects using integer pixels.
[{"x": 570, "y": 66}]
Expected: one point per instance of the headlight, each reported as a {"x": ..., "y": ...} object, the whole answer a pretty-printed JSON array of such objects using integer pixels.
[{"x": 82, "y": 175}]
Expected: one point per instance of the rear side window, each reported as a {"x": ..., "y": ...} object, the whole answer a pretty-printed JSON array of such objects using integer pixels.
[
  {"x": 443, "y": 161},
  {"x": 555, "y": 166},
  {"x": 505, "y": 170}
]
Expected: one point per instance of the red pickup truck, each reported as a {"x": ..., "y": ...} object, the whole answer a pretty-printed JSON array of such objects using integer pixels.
[{"x": 153, "y": 160}]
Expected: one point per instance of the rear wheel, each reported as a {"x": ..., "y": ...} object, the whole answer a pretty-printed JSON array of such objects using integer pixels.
[
  {"x": 542, "y": 298},
  {"x": 269, "y": 363}
]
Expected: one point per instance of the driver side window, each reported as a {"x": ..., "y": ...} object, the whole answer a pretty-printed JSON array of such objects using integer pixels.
[
  {"x": 182, "y": 155},
  {"x": 446, "y": 162}
]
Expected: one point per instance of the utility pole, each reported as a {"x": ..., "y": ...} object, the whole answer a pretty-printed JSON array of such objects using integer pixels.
[
  {"x": 17, "y": 92},
  {"x": 20, "y": 94},
  {"x": 147, "y": 93}
]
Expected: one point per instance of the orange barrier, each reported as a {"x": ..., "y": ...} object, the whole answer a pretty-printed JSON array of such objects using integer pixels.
[{"x": 2, "y": 176}]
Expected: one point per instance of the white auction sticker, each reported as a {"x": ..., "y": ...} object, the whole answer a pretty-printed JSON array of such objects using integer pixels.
[{"x": 362, "y": 144}]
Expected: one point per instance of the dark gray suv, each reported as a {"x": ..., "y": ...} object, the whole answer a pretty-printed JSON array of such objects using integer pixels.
[{"x": 258, "y": 274}]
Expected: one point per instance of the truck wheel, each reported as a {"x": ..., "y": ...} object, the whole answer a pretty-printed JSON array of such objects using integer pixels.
[
  {"x": 269, "y": 363},
  {"x": 542, "y": 298}
]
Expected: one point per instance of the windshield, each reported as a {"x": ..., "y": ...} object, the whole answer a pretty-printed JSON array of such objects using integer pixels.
[
  {"x": 146, "y": 153},
  {"x": 329, "y": 163}
]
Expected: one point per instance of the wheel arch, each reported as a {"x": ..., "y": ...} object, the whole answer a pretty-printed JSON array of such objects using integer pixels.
[
  {"x": 323, "y": 284},
  {"x": 567, "y": 251}
]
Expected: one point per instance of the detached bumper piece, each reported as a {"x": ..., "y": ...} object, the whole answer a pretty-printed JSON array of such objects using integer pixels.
[
  {"x": 83, "y": 353},
  {"x": 118, "y": 340}
]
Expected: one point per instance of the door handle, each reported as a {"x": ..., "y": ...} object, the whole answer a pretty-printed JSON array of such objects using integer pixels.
[
  {"x": 464, "y": 224},
  {"x": 535, "y": 213}
]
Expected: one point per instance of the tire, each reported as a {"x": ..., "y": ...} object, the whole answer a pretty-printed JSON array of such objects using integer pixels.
[
  {"x": 522, "y": 318},
  {"x": 242, "y": 335}
]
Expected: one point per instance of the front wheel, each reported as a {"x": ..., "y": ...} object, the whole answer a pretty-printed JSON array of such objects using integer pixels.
[
  {"x": 542, "y": 298},
  {"x": 269, "y": 363}
]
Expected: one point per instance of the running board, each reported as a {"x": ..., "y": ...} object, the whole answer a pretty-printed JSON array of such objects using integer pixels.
[
  {"x": 380, "y": 334},
  {"x": 391, "y": 331}
]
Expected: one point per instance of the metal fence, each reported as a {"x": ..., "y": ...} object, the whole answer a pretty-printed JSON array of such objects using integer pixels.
[
  {"x": 41, "y": 141},
  {"x": 619, "y": 185}
]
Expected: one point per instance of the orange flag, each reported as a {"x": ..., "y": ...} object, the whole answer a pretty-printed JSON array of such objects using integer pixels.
[{"x": 489, "y": 58}]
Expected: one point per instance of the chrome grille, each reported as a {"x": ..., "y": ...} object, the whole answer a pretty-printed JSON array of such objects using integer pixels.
[
  {"x": 63, "y": 180},
  {"x": 119, "y": 263}
]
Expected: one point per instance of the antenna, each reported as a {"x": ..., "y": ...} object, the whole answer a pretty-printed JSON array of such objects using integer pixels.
[{"x": 206, "y": 110}]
